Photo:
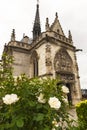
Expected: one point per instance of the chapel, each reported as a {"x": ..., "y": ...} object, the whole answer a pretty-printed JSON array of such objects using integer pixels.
[{"x": 49, "y": 53}]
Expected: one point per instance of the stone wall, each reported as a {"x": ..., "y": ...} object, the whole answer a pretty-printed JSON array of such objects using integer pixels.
[
  {"x": 21, "y": 63},
  {"x": 41, "y": 60}
]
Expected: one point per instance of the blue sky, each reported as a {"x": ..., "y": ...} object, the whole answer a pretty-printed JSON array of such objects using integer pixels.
[{"x": 20, "y": 14}]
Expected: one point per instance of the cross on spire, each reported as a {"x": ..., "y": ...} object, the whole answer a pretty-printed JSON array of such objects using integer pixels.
[{"x": 38, "y": 2}]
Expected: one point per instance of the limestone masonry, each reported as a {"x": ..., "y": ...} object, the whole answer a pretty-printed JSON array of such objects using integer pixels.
[{"x": 48, "y": 53}]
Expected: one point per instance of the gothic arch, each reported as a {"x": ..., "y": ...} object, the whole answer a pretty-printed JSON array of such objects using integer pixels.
[
  {"x": 63, "y": 61},
  {"x": 63, "y": 66},
  {"x": 34, "y": 63}
]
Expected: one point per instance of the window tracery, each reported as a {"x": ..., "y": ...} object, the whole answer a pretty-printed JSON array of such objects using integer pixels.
[{"x": 34, "y": 59}]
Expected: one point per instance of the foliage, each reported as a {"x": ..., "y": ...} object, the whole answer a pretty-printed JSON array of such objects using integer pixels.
[
  {"x": 81, "y": 109},
  {"x": 34, "y": 106}
]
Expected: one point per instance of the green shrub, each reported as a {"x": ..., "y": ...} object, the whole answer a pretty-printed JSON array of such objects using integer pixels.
[
  {"x": 81, "y": 109},
  {"x": 31, "y": 104}
]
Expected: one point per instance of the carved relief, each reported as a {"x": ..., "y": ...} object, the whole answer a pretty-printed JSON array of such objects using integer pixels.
[
  {"x": 63, "y": 65},
  {"x": 62, "y": 61},
  {"x": 67, "y": 77},
  {"x": 48, "y": 55},
  {"x": 48, "y": 62},
  {"x": 48, "y": 48}
]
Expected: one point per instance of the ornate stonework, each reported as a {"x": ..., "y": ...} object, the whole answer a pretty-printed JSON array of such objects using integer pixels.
[
  {"x": 62, "y": 61},
  {"x": 48, "y": 53},
  {"x": 48, "y": 48},
  {"x": 63, "y": 65}
]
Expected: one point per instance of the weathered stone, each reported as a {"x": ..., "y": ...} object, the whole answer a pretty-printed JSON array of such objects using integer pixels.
[{"x": 50, "y": 53}]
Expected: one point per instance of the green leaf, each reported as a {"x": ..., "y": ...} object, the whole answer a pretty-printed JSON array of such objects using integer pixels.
[
  {"x": 1, "y": 128},
  {"x": 46, "y": 128},
  {"x": 15, "y": 128},
  {"x": 39, "y": 117},
  {"x": 20, "y": 123},
  {"x": 31, "y": 103}
]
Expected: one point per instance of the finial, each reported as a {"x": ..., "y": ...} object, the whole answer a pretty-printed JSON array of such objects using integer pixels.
[
  {"x": 69, "y": 35},
  {"x": 56, "y": 15},
  {"x": 37, "y": 2},
  {"x": 47, "y": 24},
  {"x": 47, "y": 21},
  {"x": 23, "y": 35},
  {"x": 13, "y": 35}
]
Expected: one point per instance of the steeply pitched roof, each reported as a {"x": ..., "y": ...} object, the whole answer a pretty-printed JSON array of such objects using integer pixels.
[{"x": 56, "y": 26}]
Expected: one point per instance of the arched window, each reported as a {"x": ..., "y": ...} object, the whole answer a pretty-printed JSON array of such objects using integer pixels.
[{"x": 34, "y": 65}]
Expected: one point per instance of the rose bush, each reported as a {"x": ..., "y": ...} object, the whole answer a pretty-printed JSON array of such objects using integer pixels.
[{"x": 31, "y": 104}]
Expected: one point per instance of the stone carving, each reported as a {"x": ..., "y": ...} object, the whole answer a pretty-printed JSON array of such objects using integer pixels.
[
  {"x": 63, "y": 65},
  {"x": 62, "y": 61},
  {"x": 48, "y": 62},
  {"x": 67, "y": 77},
  {"x": 48, "y": 55},
  {"x": 48, "y": 48}
]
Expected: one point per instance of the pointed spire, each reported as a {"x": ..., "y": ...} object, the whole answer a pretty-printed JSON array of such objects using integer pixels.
[
  {"x": 36, "y": 27},
  {"x": 47, "y": 24},
  {"x": 69, "y": 35},
  {"x": 13, "y": 35}
]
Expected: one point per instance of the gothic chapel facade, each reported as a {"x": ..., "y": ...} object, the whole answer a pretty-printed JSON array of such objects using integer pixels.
[{"x": 48, "y": 53}]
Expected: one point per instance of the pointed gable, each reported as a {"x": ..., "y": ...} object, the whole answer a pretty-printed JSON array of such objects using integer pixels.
[{"x": 56, "y": 27}]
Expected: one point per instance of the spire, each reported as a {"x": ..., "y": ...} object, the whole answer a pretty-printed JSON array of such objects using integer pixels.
[
  {"x": 36, "y": 27},
  {"x": 13, "y": 35}
]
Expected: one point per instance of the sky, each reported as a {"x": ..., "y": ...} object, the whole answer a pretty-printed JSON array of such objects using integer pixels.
[{"x": 20, "y": 15}]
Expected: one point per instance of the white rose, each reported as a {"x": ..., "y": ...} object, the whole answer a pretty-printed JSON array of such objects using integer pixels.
[
  {"x": 65, "y": 89},
  {"x": 53, "y": 129},
  {"x": 1, "y": 87},
  {"x": 65, "y": 100},
  {"x": 15, "y": 80},
  {"x": 10, "y": 98},
  {"x": 14, "y": 97},
  {"x": 54, "y": 103},
  {"x": 55, "y": 123},
  {"x": 41, "y": 98}
]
